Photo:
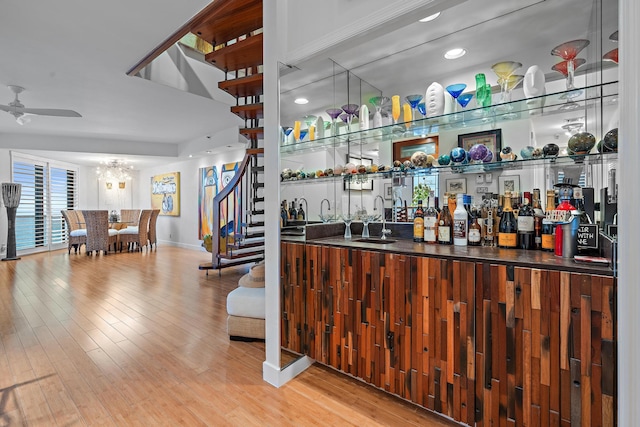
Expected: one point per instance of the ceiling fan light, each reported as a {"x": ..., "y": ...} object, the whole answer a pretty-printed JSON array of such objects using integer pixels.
[{"x": 23, "y": 119}]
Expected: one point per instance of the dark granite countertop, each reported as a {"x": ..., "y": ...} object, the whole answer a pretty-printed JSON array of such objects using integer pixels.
[{"x": 401, "y": 243}]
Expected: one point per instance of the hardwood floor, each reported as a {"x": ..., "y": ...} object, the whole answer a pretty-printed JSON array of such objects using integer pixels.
[{"x": 140, "y": 339}]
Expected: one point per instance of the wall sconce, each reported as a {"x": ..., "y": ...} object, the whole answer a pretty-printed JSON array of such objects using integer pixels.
[
  {"x": 109, "y": 185},
  {"x": 121, "y": 184}
]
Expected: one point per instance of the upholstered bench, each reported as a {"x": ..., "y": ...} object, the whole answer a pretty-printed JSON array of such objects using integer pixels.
[{"x": 246, "y": 306}]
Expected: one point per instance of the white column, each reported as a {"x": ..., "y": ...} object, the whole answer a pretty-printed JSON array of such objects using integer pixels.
[{"x": 629, "y": 207}]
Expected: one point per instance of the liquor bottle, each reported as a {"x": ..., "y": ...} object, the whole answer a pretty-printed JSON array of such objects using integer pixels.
[
  {"x": 526, "y": 226},
  {"x": 301, "y": 213},
  {"x": 460, "y": 222},
  {"x": 475, "y": 231},
  {"x": 418, "y": 223},
  {"x": 293, "y": 214},
  {"x": 538, "y": 215},
  {"x": 445, "y": 223},
  {"x": 548, "y": 228},
  {"x": 284, "y": 214},
  {"x": 487, "y": 221},
  {"x": 497, "y": 201},
  {"x": 508, "y": 228},
  {"x": 430, "y": 224}
]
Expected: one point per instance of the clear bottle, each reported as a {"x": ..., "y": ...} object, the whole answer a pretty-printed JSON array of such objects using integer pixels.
[
  {"x": 508, "y": 229},
  {"x": 526, "y": 227},
  {"x": 430, "y": 224},
  {"x": 460, "y": 222},
  {"x": 418, "y": 224},
  {"x": 445, "y": 224},
  {"x": 538, "y": 215}
]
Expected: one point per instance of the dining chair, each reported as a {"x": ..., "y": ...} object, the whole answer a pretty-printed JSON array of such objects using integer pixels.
[
  {"x": 99, "y": 236},
  {"x": 153, "y": 237},
  {"x": 135, "y": 237},
  {"x": 130, "y": 216},
  {"x": 76, "y": 236}
]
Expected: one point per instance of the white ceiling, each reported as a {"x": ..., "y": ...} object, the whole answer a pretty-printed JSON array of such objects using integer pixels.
[{"x": 75, "y": 55}]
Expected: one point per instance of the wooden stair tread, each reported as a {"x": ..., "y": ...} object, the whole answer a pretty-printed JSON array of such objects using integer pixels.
[
  {"x": 247, "y": 245},
  {"x": 229, "y": 19},
  {"x": 244, "y": 86},
  {"x": 249, "y": 111},
  {"x": 236, "y": 256},
  {"x": 252, "y": 132},
  {"x": 245, "y": 53}
]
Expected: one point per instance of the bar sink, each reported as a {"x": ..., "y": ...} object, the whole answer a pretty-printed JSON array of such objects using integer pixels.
[{"x": 374, "y": 240}]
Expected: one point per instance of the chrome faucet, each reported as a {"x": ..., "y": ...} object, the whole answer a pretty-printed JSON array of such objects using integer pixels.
[
  {"x": 385, "y": 231},
  {"x": 306, "y": 209},
  {"x": 322, "y": 217}
]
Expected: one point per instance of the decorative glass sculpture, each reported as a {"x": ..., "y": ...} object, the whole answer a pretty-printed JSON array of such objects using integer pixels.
[
  {"x": 395, "y": 108},
  {"x": 378, "y": 102},
  {"x": 612, "y": 55},
  {"x": 334, "y": 113},
  {"x": 569, "y": 51},
  {"x": 413, "y": 101},
  {"x": 351, "y": 110},
  {"x": 455, "y": 91},
  {"x": 504, "y": 70}
]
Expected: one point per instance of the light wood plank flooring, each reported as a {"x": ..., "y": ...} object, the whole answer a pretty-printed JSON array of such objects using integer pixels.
[{"x": 140, "y": 339}]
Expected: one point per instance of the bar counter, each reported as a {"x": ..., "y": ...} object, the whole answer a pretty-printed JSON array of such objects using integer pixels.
[{"x": 484, "y": 336}]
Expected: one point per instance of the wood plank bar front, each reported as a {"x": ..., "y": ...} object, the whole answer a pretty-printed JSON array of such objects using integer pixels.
[{"x": 484, "y": 344}]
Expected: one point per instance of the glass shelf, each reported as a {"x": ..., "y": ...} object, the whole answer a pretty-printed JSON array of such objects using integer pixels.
[
  {"x": 546, "y": 105},
  {"x": 580, "y": 160}
]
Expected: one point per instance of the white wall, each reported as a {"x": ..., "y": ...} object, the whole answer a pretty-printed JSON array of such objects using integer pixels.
[{"x": 181, "y": 230}]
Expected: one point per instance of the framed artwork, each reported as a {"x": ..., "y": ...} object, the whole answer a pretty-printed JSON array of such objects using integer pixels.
[
  {"x": 206, "y": 192},
  {"x": 165, "y": 193},
  {"x": 403, "y": 150},
  {"x": 388, "y": 191},
  {"x": 355, "y": 183},
  {"x": 509, "y": 183},
  {"x": 456, "y": 185},
  {"x": 492, "y": 139}
]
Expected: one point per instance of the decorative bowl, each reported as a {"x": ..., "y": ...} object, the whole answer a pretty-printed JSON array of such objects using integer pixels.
[
  {"x": 581, "y": 143},
  {"x": 550, "y": 150},
  {"x": 610, "y": 140}
]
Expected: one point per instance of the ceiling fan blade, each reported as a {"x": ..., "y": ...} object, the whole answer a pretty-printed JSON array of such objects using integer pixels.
[
  {"x": 48, "y": 112},
  {"x": 7, "y": 108}
]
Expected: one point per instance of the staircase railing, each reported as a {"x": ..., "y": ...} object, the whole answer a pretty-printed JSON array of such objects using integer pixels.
[{"x": 232, "y": 209}]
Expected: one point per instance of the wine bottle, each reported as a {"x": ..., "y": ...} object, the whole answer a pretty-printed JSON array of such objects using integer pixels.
[
  {"x": 475, "y": 231},
  {"x": 445, "y": 222},
  {"x": 418, "y": 223},
  {"x": 460, "y": 222},
  {"x": 526, "y": 227},
  {"x": 508, "y": 228},
  {"x": 430, "y": 224},
  {"x": 301, "y": 213},
  {"x": 293, "y": 214},
  {"x": 548, "y": 228},
  {"x": 538, "y": 215}
]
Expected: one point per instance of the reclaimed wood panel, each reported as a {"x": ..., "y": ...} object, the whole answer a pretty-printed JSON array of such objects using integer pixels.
[{"x": 484, "y": 344}]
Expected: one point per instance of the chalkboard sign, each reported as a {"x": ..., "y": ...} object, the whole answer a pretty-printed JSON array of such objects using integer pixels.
[{"x": 588, "y": 236}]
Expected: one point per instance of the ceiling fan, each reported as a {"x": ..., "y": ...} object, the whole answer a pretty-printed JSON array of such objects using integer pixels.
[{"x": 18, "y": 110}]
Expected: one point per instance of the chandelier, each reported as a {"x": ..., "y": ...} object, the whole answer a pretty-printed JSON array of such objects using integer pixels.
[{"x": 113, "y": 171}]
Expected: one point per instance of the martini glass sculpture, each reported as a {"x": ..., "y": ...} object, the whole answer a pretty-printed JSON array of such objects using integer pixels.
[
  {"x": 464, "y": 100},
  {"x": 413, "y": 101},
  {"x": 334, "y": 113},
  {"x": 422, "y": 108},
  {"x": 455, "y": 90},
  {"x": 310, "y": 121},
  {"x": 303, "y": 134},
  {"x": 351, "y": 110},
  {"x": 569, "y": 51},
  {"x": 563, "y": 68},
  {"x": 512, "y": 82},
  {"x": 504, "y": 70},
  {"x": 612, "y": 56}
]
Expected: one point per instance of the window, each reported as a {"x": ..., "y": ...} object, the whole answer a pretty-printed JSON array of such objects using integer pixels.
[{"x": 47, "y": 188}]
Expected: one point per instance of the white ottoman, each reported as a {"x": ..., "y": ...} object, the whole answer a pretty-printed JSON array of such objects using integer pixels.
[{"x": 246, "y": 307}]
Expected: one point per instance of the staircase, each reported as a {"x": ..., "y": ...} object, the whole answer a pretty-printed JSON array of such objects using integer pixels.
[{"x": 234, "y": 28}]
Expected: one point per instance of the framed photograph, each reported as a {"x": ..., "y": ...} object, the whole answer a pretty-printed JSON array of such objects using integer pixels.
[
  {"x": 388, "y": 191},
  {"x": 456, "y": 185},
  {"x": 403, "y": 150},
  {"x": 355, "y": 183},
  {"x": 509, "y": 183},
  {"x": 492, "y": 139}
]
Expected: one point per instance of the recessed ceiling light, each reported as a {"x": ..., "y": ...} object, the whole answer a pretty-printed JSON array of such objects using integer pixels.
[
  {"x": 190, "y": 155},
  {"x": 301, "y": 101},
  {"x": 430, "y": 17},
  {"x": 209, "y": 151},
  {"x": 456, "y": 53}
]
